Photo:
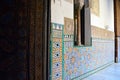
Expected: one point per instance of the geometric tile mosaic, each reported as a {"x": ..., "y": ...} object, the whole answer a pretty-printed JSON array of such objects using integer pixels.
[
  {"x": 80, "y": 60},
  {"x": 68, "y": 37},
  {"x": 68, "y": 29},
  {"x": 56, "y": 52},
  {"x": 57, "y": 59},
  {"x": 56, "y": 33}
]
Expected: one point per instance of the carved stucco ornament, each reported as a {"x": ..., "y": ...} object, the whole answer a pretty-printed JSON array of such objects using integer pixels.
[{"x": 79, "y": 3}]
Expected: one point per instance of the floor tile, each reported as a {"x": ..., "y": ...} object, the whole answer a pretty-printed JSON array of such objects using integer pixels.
[{"x": 110, "y": 73}]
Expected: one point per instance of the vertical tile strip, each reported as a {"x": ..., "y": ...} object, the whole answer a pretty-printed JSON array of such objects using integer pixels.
[{"x": 56, "y": 52}]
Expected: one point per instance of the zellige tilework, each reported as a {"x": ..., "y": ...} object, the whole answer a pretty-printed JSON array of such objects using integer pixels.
[{"x": 56, "y": 53}]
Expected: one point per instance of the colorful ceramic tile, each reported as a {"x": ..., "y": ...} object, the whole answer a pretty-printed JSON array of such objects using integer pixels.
[
  {"x": 56, "y": 53},
  {"x": 80, "y": 60},
  {"x": 68, "y": 37},
  {"x": 57, "y": 58},
  {"x": 57, "y": 33},
  {"x": 56, "y": 26}
]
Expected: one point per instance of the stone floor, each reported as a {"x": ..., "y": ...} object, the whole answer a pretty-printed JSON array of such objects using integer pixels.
[{"x": 110, "y": 73}]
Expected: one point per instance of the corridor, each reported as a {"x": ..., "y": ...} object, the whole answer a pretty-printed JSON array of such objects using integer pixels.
[
  {"x": 59, "y": 39},
  {"x": 110, "y": 73}
]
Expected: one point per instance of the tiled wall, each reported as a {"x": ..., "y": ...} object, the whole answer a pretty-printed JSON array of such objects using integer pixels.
[
  {"x": 69, "y": 62},
  {"x": 80, "y": 60},
  {"x": 73, "y": 62},
  {"x": 118, "y": 49},
  {"x": 56, "y": 51}
]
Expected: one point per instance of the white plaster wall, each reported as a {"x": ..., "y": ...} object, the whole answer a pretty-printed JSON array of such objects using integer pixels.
[
  {"x": 57, "y": 11},
  {"x": 106, "y": 15},
  {"x": 61, "y": 9},
  {"x": 68, "y": 9}
]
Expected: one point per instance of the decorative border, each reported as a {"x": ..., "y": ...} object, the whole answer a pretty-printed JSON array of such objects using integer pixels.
[
  {"x": 58, "y": 37},
  {"x": 68, "y": 26},
  {"x": 81, "y": 77},
  {"x": 81, "y": 53},
  {"x": 102, "y": 33},
  {"x": 56, "y": 51}
]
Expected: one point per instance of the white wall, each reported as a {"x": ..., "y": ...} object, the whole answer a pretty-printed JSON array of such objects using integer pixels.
[
  {"x": 61, "y": 9},
  {"x": 57, "y": 11},
  {"x": 106, "y": 15}
]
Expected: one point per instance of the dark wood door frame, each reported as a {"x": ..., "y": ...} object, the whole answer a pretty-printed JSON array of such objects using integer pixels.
[
  {"x": 39, "y": 37},
  {"x": 115, "y": 30},
  {"x": 24, "y": 39}
]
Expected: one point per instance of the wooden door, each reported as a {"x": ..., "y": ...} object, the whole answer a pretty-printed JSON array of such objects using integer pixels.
[{"x": 24, "y": 39}]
